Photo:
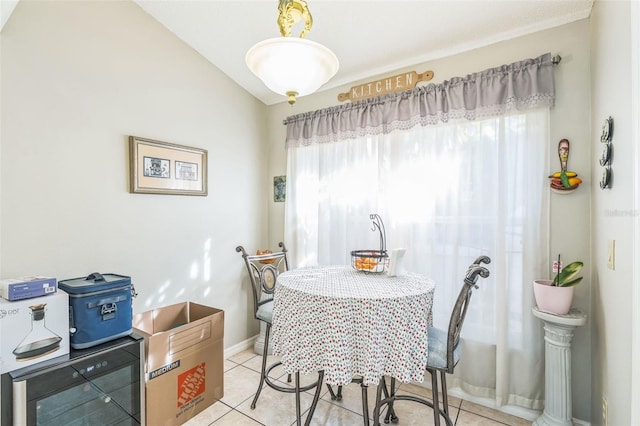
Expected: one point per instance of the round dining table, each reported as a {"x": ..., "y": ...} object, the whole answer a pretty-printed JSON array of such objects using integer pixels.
[{"x": 352, "y": 323}]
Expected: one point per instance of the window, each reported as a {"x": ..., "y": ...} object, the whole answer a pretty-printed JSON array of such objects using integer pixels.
[{"x": 448, "y": 193}]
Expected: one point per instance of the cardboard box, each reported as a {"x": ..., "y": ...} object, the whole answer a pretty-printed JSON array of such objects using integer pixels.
[
  {"x": 27, "y": 287},
  {"x": 184, "y": 346},
  {"x": 33, "y": 330}
]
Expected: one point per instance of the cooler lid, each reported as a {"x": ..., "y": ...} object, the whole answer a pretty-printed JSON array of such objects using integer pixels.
[{"x": 93, "y": 282}]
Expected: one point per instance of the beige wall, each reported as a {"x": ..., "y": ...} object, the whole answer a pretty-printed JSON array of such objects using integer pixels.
[
  {"x": 612, "y": 213},
  {"x": 77, "y": 79},
  {"x": 570, "y": 119}
]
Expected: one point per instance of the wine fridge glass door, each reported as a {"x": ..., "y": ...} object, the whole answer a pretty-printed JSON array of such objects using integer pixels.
[{"x": 102, "y": 389}]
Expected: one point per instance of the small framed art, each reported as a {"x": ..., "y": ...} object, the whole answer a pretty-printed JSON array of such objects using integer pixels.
[
  {"x": 279, "y": 188},
  {"x": 165, "y": 168}
]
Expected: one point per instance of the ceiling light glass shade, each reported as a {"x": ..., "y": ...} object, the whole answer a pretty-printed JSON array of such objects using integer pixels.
[{"x": 292, "y": 66}]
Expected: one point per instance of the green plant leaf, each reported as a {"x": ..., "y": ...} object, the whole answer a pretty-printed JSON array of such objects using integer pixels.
[
  {"x": 568, "y": 273},
  {"x": 571, "y": 283}
]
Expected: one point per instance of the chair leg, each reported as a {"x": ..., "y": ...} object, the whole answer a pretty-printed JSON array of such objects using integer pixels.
[
  {"x": 434, "y": 392},
  {"x": 316, "y": 397},
  {"x": 376, "y": 409},
  {"x": 382, "y": 388},
  {"x": 445, "y": 397},
  {"x": 334, "y": 396},
  {"x": 388, "y": 394},
  {"x": 298, "y": 419},
  {"x": 265, "y": 352},
  {"x": 391, "y": 414},
  {"x": 365, "y": 402}
]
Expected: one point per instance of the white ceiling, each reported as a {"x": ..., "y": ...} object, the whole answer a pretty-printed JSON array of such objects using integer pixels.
[
  {"x": 369, "y": 37},
  {"x": 6, "y": 9}
]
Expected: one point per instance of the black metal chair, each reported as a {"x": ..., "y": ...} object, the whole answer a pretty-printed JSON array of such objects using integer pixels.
[
  {"x": 444, "y": 352},
  {"x": 263, "y": 272}
]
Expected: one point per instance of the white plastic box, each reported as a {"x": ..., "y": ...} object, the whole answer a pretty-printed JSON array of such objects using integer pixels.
[{"x": 27, "y": 287}]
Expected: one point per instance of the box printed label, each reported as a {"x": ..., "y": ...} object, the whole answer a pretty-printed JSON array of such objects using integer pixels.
[
  {"x": 7, "y": 312},
  {"x": 191, "y": 383},
  {"x": 164, "y": 369}
]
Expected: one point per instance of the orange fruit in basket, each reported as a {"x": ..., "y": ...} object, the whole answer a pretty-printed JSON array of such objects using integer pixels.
[{"x": 365, "y": 263}]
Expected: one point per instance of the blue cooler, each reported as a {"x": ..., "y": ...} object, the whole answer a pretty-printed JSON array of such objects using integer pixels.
[{"x": 100, "y": 308}]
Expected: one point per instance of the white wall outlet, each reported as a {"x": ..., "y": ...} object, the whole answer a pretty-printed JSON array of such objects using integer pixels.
[{"x": 611, "y": 255}]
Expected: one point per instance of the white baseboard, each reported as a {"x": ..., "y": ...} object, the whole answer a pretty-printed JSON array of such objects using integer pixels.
[
  {"x": 239, "y": 347},
  {"x": 514, "y": 410}
]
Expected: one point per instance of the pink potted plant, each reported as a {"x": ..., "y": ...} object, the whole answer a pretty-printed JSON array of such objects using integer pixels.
[{"x": 555, "y": 296}]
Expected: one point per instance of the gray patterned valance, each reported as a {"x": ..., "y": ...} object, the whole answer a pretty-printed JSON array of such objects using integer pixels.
[{"x": 521, "y": 85}]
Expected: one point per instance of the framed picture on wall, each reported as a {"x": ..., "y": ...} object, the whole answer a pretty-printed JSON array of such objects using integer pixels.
[
  {"x": 165, "y": 168},
  {"x": 279, "y": 188}
]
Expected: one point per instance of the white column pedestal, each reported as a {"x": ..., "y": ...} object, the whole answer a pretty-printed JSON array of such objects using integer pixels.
[
  {"x": 258, "y": 345},
  {"x": 558, "y": 332}
]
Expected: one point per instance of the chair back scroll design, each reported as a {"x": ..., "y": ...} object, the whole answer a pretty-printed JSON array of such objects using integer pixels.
[
  {"x": 263, "y": 272},
  {"x": 460, "y": 308}
]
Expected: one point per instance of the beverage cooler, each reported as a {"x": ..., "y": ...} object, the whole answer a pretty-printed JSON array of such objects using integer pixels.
[{"x": 101, "y": 385}]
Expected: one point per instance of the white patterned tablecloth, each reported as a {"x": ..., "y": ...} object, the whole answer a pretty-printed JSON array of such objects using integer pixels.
[{"x": 349, "y": 323}]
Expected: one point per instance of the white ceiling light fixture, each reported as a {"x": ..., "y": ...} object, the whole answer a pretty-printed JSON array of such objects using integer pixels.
[{"x": 292, "y": 66}]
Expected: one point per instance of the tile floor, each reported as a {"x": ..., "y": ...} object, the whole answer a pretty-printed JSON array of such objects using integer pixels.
[{"x": 241, "y": 376}]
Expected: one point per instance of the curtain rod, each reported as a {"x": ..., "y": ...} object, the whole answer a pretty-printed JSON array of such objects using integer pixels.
[{"x": 555, "y": 60}]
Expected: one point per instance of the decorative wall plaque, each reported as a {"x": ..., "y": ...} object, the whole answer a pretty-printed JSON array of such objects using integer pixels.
[
  {"x": 397, "y": 83},
  {"x": 607, "y": 153}
]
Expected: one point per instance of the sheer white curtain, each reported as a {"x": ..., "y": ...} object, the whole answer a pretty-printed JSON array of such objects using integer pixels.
[{"x": 448, "y": 193}]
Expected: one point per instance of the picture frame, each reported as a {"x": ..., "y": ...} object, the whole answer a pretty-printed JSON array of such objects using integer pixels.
[
  {"x": 157, "y": 167},
  {"x": 279, "y": 188}
]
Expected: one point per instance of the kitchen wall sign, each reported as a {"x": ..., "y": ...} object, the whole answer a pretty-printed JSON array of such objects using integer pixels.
[{"x": 397, "y": 83}]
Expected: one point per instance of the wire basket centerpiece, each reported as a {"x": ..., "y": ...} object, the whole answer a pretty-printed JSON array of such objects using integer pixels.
[{"x": 372, "y": 261}]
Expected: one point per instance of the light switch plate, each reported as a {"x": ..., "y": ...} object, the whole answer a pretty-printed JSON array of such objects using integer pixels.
[{"x": 611, "y": 255}]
